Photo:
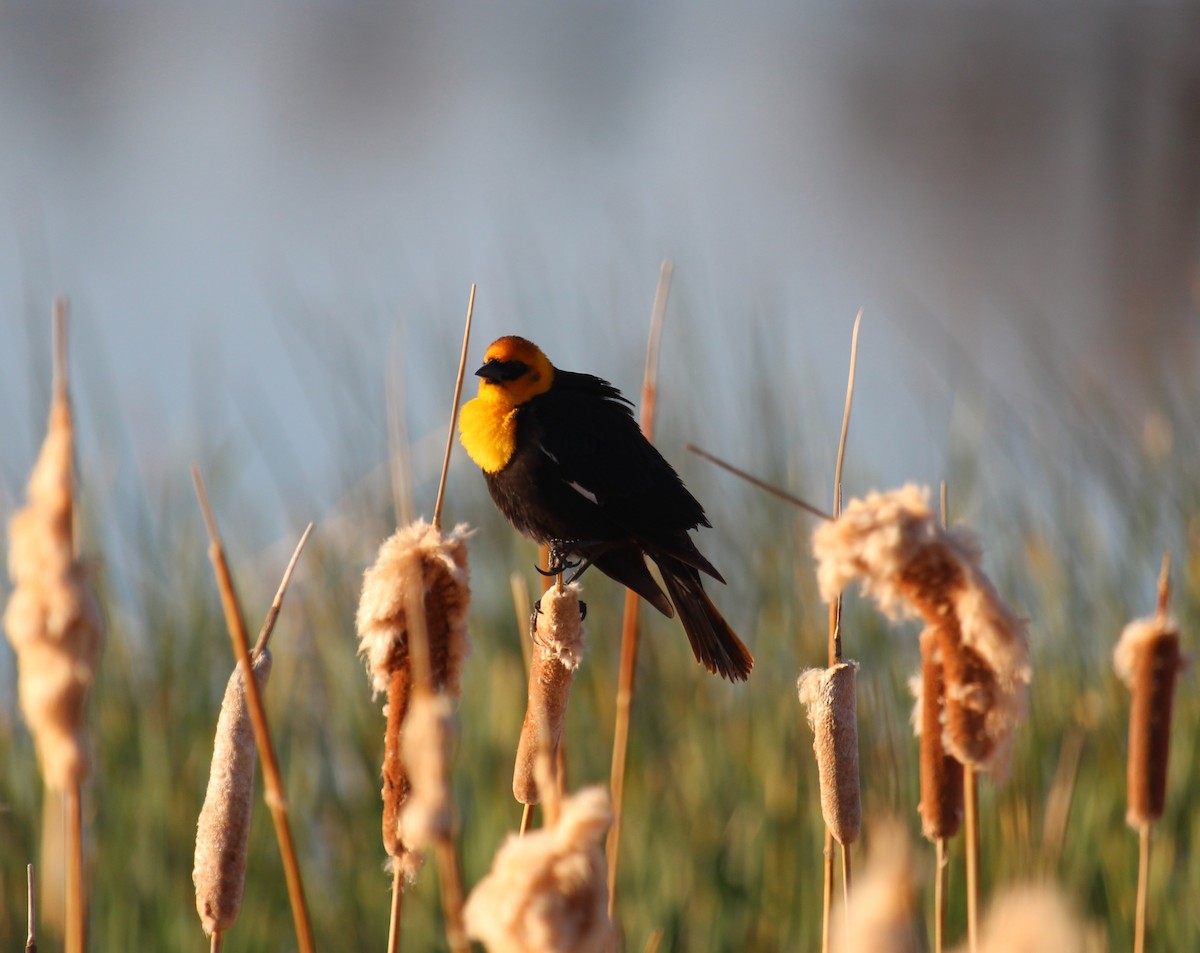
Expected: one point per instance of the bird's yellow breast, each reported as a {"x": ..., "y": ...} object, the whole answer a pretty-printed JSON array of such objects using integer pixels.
[{"x": 488, "y": 430}]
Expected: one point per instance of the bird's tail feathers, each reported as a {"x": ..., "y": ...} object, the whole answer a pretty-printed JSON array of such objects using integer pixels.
[{"x": 714, "y": 643}]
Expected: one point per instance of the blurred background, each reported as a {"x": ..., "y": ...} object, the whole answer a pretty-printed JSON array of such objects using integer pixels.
[{"x": 267, "y": 219}]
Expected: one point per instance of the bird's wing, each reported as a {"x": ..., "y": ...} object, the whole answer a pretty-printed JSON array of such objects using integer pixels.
[{"x": 587, "y": 430}]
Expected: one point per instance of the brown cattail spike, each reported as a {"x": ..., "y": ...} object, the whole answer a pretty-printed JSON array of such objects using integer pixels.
[
  {"x": 419, "y": 569},
  {"x": 1147, "y": 659},
  {"x": 941, "y": 806},
  {"x": 557, "y": 652},
  {"x": 223, "y": 830},
  {"x": 396, "y": 786},
  {"x": 829, "y": 696},
  {"x": 912, "y": 566},
  {"x": 547, "y": 890},
  {"x": 421, "y": 559}
]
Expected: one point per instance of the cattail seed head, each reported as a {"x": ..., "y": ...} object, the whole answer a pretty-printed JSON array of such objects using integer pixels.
[
  {"x": 913, "y": 566},
  {"x": 418, "y": 566},
  {"x": 52, "y": 618},
  {"x": 829, "y": 697},
  {"x": 557, "y": 651},
  {"x": 941, "y": 806},
  {"x": 416, "y": 560},
  {"x": 1147, "y": 659},
  {"x": 547, "y": 891},
  {"x": 223, "y": 830}
]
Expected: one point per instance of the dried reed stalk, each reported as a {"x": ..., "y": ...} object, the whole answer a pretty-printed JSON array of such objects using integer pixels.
[
  {"x": 31, "y": 911},
  {"x": 557, "y": 651},
  {"x": 835, "y": 658},
  {"x": 630, "y": 634},
  {"x": 273, "y": 787},
  {"x": 828, "y": 695},
  {"x": 547, "y": 891},
  {"x": 223, "y": 830},
  {"x": 55, "y": 626}
]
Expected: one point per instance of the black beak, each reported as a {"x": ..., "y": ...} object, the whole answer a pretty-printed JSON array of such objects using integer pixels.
[{"x": 496, "y": 371}]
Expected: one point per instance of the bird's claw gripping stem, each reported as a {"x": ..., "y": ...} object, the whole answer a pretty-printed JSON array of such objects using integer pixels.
[{"x": 560, "y": 560}]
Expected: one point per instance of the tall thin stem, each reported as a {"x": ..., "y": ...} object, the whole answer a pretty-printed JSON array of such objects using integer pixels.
[
  {"x": 939, "y": 895},
  {"x": 462, "y": 366},
  {"x": 1143, "y": 889},
  {"x": 76, "y": 938},
  {"x": 630, "y": 635}
]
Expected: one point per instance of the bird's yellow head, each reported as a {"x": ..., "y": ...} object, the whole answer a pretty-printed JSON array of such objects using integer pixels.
[{"x": 514, "y": 371}]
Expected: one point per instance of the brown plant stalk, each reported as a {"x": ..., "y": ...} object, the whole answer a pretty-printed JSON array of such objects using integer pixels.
[
  {"x": 630, "y": 634},
  {"x": 273, "y": 787},
  {"x": 223, "y": 828}
]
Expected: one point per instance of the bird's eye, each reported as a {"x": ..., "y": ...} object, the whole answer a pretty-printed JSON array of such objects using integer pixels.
[{"x": 495, "y": 370}]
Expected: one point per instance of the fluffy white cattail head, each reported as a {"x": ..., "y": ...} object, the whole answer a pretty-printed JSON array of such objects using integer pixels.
[
  {"x": 52, "y": 618},
  {"x": 417, "y": 560},
  {"x": 912, "y": 566},
  {"x": 547, "y": 891}
]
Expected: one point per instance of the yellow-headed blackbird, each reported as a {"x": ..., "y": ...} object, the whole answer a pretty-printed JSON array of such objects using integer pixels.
[{"x": 567, "y": 464}]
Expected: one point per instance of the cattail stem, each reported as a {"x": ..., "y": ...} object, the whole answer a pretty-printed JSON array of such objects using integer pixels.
[
  {"x": 397, "y": 907},
  {"x": 939, "y": 895},
  {"x": 462, "y": 364},
  {"x": 971, "y": 805},
  {"x": 216, "y": 942},
  {"x": 452, "y": 895},
  {"x": 827, "y": 895},
  {"x": 31, "y": 914},
  {"x": 835, "y": 652},
  {"x": 630, "y": 635},
  {"x": 1143, "y": 889},
  {"x": 763, "y": 485},
  {"x": 273, "y": 787},
  {"x": 76, "y": 938}
]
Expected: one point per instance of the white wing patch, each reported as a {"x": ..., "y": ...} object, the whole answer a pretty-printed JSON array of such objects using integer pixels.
[
  {"x": 542, "y": 447},
  {"x": 583, "y": 491}
]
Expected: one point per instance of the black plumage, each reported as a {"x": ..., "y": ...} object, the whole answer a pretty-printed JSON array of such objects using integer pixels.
[{"x": 581, "y": 474}]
